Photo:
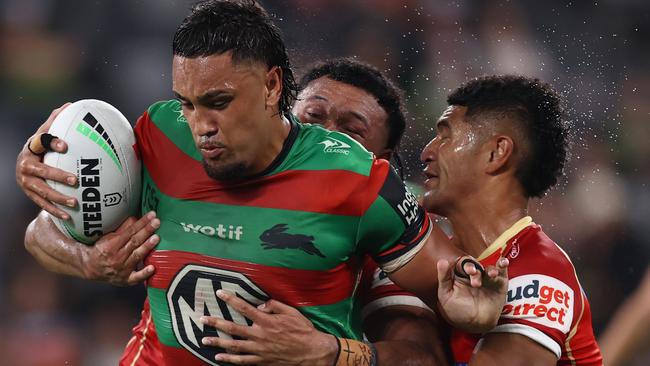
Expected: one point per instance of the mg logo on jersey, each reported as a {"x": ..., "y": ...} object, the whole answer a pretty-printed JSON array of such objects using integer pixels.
[
  {"x": 333, "y": 145},
  {"x": 192, "y": 294},
  {"x": 540, "y": 299}
]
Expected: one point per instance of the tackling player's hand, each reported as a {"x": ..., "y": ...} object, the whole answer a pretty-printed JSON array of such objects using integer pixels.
[
  {"x": 280, "y": 335},
  {"x": 473, "y": 305},
  {"x": 31, "y": 173},
  {"x": 116, "y": 256}
]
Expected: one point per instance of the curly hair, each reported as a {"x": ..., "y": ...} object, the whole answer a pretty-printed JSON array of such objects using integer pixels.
[
  {"x": 368, "y": 78},
  {"x": 538, "y": 111},
  {"x": 242, "y": 27}
]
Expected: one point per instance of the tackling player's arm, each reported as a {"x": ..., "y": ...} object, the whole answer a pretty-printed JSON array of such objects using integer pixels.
[
  {"x": 113, "y": 258},
  {"x": 403, "y": 329},
  {"x": 419, "y": 257},
  {"x": 405, "y": 334}
]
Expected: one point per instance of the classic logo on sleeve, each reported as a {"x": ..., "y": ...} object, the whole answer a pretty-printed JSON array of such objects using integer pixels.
[
  {"x": 540, "y": 299},
  {"x": 332, "y": 145}
]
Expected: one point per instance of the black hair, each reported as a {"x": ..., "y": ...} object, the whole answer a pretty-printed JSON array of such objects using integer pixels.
[
  {"x": 368, "y": 78},
  {"x": 241, "y": 26},
  {"x": 537, "y": 110}
]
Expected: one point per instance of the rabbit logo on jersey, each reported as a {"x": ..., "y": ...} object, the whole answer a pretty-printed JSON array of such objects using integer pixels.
[{"x": 540, "y": 299}]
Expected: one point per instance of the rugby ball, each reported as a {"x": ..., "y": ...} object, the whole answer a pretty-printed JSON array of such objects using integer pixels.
[{"x": 101, "y": 154}]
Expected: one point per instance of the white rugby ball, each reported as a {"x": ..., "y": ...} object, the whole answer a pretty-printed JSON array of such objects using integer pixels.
[{"x": 101, "y": 154}]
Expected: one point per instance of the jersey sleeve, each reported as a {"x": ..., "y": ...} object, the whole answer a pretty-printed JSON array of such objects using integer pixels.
[
  {"x": 544, "y": 300},
  {"x": 394, "y": 227},
  {"x": 144, "y": 133},
  {"x": 377, "y": 291}
]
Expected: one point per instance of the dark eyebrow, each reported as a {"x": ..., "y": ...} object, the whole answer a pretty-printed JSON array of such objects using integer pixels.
[
  {"x": 205, "y": 97},
  {"x": 319, "y": 97},
  {"x": 360, "y": 117}
]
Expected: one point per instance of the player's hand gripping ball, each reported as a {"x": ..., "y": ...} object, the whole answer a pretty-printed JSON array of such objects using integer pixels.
[{"x": 101, "y": 153}]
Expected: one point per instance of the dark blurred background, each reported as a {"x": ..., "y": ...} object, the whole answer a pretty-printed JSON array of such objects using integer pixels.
[{"x": 596, "y": 53}]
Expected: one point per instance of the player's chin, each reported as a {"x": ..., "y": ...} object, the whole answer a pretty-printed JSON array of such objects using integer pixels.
[{"x": 224, "y": 170}]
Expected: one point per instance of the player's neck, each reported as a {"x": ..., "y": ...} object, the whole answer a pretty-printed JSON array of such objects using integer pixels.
[
  {"x": 273, "y": 145},
  {"x": 483, "y": 219}
]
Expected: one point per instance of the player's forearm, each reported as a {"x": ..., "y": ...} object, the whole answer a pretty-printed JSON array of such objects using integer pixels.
[
  {"x": 405, "y": 353},
  {"x": 407, "y": 335},
  {"x": 420, "y": 275},
  {"x": 53, "y": 250},
  {"x": 628, "y": 329}
]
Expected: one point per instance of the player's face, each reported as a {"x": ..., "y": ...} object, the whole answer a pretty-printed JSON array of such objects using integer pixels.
[
  {"x": 345, "y": 108},
  {"x": 226, "y": 108},
  {"x": 452, "y": 164}
]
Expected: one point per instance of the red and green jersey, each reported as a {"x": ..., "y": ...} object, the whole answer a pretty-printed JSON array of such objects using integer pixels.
[{"x": 293, "y": 233}]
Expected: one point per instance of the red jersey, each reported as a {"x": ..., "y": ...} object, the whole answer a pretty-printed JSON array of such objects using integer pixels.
[
  {"x": 545, "y": 301},
  {"x": 376, "y": 291},
  {"x": 144, "y": 348}
]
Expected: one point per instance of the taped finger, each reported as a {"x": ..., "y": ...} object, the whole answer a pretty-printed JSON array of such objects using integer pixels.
[
  {"x": 459, "y": 268},
  {"x": 40, "y": 144}
]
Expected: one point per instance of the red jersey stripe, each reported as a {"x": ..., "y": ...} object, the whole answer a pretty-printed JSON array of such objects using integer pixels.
[
  {"x": 343, "y": 192},
  {"x": 295, "y": 287}
]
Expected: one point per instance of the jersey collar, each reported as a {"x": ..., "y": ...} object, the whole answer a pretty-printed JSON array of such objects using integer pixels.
[
  {"x": 502, "y": 241},
  {"x": 286, "y": 146}
]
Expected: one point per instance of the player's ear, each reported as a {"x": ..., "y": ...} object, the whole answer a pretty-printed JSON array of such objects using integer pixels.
[
  {"x": 499, "y": 153},
  {"x": 273, "y": 86}
]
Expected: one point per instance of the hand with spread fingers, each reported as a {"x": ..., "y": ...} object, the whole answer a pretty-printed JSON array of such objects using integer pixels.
[
  {"x": 31, "y": 172},
  {"x": 114, "y": 258},
  {"x": 470, "y": 294},
  {"x": 280, "y": 335}
]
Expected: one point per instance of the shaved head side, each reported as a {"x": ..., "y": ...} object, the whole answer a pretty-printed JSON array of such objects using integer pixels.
[{"x": 530, "y": 112}]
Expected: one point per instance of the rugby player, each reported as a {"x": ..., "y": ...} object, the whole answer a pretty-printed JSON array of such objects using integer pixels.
[
  {"x": 356, "y": 99},
  {"x": 501, "y": 141},
  {"x": 241, "y": 157}
]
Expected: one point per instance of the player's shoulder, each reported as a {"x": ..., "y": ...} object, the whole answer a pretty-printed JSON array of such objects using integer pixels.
[
  {"x": 166, "y": 112},
  {"x": 322, "y": 149},
  {"x": 532, "y": 251},
  {"x": 163, "y": 122},
  {"x": 544, "y": 296}
]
